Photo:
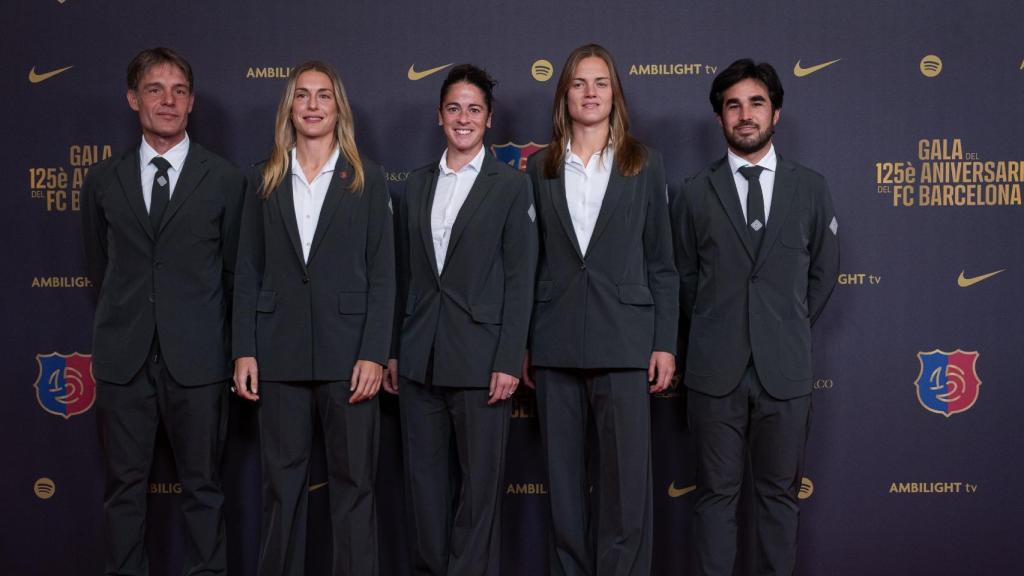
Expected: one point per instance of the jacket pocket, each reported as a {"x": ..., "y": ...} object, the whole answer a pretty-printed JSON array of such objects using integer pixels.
[
  {"x": 635, "y": 294},
  {"x": 352, "y": 302},
  {"x": 266, "y": 301},
  {"x": 544, "y": 292},
  {"x": 794, "y": 238},
  {"x": 486, "y": 313}
]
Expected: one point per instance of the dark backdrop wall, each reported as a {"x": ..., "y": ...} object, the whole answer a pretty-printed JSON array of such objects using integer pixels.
[{"x": 913, "y": 110}]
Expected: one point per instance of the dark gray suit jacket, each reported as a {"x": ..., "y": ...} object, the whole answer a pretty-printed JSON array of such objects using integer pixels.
[
  {"x": 739, "y": 303},
  {"x": 618, "y": 304},
  {"x": 313, "y": 320},
  {"x": 177, "y": 282},
  {"x": 475, "y": 314}
]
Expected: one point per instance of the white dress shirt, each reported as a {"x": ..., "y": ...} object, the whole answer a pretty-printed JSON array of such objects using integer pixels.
[
  {"x": 308, "y": 198},
  {"x": 176, "y": 156},
  {"x": 767, "y": 179},
  {"x": 584, "y": 190},
  {"x": 449, "y": 195}
]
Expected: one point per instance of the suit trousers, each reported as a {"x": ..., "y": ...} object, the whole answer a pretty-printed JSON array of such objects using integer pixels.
[
  {"x": 195, "y": 419},
  {"x": 608, "y": 531},
  {"x": 351, "y": 433},
  {"x": 747, "y": 425},
  {"x": 453, "y": 534}
]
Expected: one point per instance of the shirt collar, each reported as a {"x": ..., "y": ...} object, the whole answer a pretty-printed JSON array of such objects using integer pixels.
[
  {"x": 327, "y": 167},
  {"x": 475, "y": 164},
  {"x": 176, "y": 155},
  {"x": 768, "y": 162},
  {"x": 607, "y": 154}
]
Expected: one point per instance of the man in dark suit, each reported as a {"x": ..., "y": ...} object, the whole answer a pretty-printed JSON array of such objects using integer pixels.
[
  {"x": 467, "y": 256},
  {"x": 160, "y": 226},
  {"x": 758, "y": 254}
]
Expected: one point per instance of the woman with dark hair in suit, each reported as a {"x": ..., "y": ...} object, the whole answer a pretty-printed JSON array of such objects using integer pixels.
[
  {"x": 467, "y": 252},
  {"x": 603, "y": 334},
  {"x": 314, "y": 298}
]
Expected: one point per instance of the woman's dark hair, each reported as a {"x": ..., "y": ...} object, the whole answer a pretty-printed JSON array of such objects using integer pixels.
[{"x": 473, "y": 75}]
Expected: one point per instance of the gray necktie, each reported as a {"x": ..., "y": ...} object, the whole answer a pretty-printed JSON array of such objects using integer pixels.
[{"x": 755, "y": 204}]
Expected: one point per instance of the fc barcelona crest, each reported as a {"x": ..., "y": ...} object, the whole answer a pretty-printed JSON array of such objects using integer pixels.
[
  {"x": 65, "y": 385},
  {"x": 948, "y": 382},
  {"x": 516, "y": 155}
]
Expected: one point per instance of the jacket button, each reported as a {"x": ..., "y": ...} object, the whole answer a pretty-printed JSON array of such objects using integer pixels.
[
  {"x": 753, "y": 279},
  {"x": 159, "y": 265},
  {"x": 305, "y": 279},
  {"x": 152, "y": 297}
]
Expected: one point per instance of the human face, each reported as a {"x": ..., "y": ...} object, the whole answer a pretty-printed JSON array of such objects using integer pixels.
[
  {"x": 464, "y": 116},
  {"x": 314, "y": 106},
  {"x": 163, "y": 100},
  {"x": 747, "y": 119},
  {"x": 590, "y": 93}
]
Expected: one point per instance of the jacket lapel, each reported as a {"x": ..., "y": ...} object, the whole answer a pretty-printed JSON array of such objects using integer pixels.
[
  {"x": 722, "y": 181},
  {"x": 192, "y": 173},
  {"x": 783, "y": 195},
  {"x": 286, "y": 207},
  {"x": 341, "y": 179},
  {"x": 613, "y": 194},
  {"x": 426, "y": 201},
  {"x": 481, "y": 186},
  {"x": 556, "y": 189},
  {"x": 131, "y": 184}
]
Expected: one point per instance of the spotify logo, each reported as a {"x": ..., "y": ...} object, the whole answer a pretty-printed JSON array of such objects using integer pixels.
[
  {"x": 806, "y": 488},
  {"x": 542, "y": 70},
  {"x": 44, "y": 488},
  {"x": 931, "y": 66}
]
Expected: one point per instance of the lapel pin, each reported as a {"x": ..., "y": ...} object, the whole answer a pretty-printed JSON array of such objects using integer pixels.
[{"x": 344, "y": 174}]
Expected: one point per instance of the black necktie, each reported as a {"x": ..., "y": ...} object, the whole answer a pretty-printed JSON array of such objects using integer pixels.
[
  {"x": 755, "y": 204},
  {"x": 161, "y": 192}
]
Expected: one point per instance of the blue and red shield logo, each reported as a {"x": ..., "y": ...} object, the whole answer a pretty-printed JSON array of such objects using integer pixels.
[
  {"x": 65, "y": 385},
  {"x": 948, "y": 382},
  {"x": 516, "y": 155}
]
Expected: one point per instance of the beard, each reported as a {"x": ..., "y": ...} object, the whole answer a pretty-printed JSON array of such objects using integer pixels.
[{"x": 749, "y": 144}]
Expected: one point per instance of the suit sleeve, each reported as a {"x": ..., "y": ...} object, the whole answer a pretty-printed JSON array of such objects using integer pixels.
[
  {"x": 94, "y": 229},
  {"x": 248, "y": 271},
  {"x": 234, "y": 201},
  {"x": 824, "y": 268},
  {"x": 402, "y": 270},
  {"x": 380, "y": 271},
  {"x": 662, "y": 277},
  {"x": 519, "y": 249},
  {"x": 685, "y": 242}
]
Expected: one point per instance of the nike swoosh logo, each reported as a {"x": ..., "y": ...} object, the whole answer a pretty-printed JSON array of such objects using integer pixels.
[
  {"x": 414, "y": 75},
  {"x": 799, "y": 71},
  {"x": 315, "y": 487},
  {"x": 36, "y": 78},
  {"x": 674, "y": 492},
  {"x": 963, "y": 281}
]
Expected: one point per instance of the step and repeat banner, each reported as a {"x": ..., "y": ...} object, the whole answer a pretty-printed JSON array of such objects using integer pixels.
[{"x": 913, "y": 110}]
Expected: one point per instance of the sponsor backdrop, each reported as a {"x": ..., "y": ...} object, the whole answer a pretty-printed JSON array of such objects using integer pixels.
[{"x": 911, "y": 109}]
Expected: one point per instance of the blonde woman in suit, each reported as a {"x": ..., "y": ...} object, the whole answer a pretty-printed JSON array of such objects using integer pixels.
[{"x": 314, "y": 297}]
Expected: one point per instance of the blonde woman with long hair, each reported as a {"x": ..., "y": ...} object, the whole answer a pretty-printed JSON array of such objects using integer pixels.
[{"x": 313, "y": 304}]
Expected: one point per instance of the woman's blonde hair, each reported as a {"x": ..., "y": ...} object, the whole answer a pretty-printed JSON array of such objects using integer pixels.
[{"x": 276, "y": 168}]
